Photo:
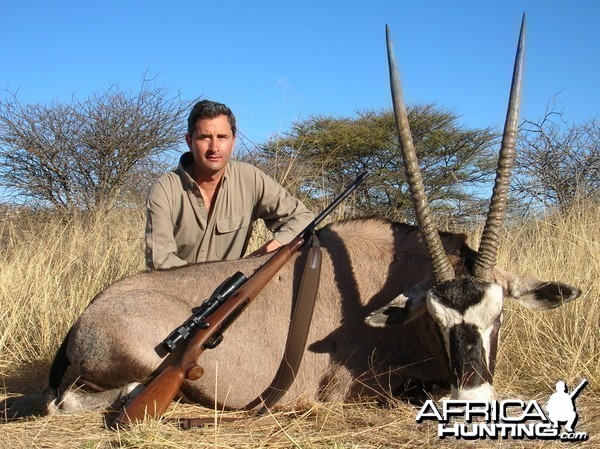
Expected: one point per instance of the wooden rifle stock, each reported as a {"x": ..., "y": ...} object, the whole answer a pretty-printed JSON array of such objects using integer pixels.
[{"x": 157, "y": 396}]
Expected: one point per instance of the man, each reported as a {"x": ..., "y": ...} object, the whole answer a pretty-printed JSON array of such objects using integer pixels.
[{"x": 205, "y": 209}]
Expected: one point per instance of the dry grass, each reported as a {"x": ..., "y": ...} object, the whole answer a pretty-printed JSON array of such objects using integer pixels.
[
  {"x": 565, "y": 342},
  {"x": 50, "y": 268}
]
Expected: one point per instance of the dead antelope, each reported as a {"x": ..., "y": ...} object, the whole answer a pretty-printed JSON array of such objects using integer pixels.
[{"x": 396, "y": 303}]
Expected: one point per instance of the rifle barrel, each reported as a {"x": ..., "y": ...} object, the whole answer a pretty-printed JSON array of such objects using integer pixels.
[{"x": 341, "y": 197}]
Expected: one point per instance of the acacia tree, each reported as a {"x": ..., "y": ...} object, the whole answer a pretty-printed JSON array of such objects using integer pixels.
[
  {"x": 558, "y": 165},
  {"x": 326, "y": 152},
  {"x": 90, "y": 154}
]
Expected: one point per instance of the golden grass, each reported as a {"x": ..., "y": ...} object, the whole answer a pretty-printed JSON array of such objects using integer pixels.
[
  {"x": 540, "y": 347},
  {"x": 51, "y": 267}
]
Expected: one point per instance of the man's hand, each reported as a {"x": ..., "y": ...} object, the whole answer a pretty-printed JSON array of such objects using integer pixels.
[{"x": 268, "y": 247}]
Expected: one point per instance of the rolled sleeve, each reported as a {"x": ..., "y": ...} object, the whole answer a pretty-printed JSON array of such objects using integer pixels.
[{"x": 161, "y": 247}]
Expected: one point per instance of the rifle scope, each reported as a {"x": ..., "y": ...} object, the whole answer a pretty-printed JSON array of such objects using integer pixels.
[{"x": 197, "y": 320}]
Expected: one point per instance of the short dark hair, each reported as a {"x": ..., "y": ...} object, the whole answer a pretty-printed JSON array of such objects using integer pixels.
[{"x": 209, "y": 109}]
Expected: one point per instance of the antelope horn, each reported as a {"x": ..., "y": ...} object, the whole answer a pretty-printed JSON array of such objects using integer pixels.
[
  {"x": 488, "y": 248},
  {"x": 442, "y": 269}
]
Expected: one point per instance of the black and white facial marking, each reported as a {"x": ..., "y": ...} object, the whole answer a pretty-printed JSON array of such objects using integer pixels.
[{"x": 469, "y": 314}]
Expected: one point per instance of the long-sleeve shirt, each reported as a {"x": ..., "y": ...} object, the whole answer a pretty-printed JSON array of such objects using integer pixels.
[{"x": 179, "y": 231}]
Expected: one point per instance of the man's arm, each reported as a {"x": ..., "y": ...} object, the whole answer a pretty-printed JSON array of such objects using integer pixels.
[
  {"x": 283, "y": 214},
  {"x": 161, "y": 248}
]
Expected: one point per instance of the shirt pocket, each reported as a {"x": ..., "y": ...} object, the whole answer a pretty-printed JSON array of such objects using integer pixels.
[
  {"x": 231, "y": 224},
  {"x": 231, "y": 236}
]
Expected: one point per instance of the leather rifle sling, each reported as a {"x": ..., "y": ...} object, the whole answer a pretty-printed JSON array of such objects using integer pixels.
[{"x": 298, "y": 331}]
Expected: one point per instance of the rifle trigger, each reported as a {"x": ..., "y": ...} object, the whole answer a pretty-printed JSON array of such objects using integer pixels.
[{"x": 214, "y": 341}]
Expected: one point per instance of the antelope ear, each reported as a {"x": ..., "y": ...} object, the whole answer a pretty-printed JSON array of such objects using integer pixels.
[
  {"x": 537, "y": 294},
  {"x": 401, "y": 310}
]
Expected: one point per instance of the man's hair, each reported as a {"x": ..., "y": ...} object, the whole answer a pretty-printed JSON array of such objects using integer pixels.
[{"x": 209, "y": 109}]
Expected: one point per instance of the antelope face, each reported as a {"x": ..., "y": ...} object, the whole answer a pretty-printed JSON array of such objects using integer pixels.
[{"x": 468, "y": 314}]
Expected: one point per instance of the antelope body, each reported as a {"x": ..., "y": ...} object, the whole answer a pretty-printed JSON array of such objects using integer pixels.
[
  {"x": 368, "y": 266},
  {"x": 396, "y": 303}
]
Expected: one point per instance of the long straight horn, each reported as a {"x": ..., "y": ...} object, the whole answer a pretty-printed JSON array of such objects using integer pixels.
[
  {"x": 442, "y": 269},
  {"x": 488, "y": 248}
]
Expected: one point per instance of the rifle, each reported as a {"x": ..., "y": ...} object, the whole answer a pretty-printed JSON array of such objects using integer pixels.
[
  {"x": 573, "y": 394},
  {"x": 204, "y": 330}
]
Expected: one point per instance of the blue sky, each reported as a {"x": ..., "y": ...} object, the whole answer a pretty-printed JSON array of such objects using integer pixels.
[{"x": 277, "y": 62}]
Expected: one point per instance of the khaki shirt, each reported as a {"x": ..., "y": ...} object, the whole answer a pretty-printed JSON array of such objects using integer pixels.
[{"x": 178, "y": 230}]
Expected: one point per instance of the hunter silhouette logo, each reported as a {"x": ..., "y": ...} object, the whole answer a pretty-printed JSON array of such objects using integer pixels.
[
  {"x": 561, "y": 406},
  {"x": 511, "y": 418}
]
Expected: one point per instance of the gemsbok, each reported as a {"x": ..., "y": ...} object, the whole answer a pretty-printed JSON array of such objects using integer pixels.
[{"x": 397, "y": 304}]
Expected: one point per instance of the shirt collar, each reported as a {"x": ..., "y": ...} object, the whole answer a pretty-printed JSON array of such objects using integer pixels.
[{"x": 185, "y": 163}]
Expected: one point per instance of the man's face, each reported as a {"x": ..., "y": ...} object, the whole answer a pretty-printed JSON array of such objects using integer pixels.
[{"x": 211, "y": 144}]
